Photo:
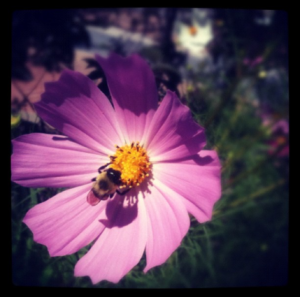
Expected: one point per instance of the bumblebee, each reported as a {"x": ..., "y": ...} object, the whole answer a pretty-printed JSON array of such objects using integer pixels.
[{"x": 105, "y": 186}]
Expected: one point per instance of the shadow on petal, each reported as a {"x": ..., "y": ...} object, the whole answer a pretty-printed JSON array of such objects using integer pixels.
[
  {"x": 70, "y": 85},
  {"x": 121, "y": 210},
  {"x": 62, "y": 137},
  {"x": 202, "y": 160}
]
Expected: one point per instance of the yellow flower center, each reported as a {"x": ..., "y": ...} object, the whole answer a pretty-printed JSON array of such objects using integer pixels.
[{"x": 133, "y": 163}]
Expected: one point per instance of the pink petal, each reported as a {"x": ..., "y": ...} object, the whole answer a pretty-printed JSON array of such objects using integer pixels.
[
  {"x": 196, "y": 179},
  {"x": 66, "y": 222},
  {"x": 282, "y": 125},
  {"x": 43, "y": 160},
  {"x": 133, "y": 90},
  {"x": 168, "y": 222},
  {"x": 120, "y": 247},
  {"x": 173, "y": 133},
  {"x": 77, "y": 108}
]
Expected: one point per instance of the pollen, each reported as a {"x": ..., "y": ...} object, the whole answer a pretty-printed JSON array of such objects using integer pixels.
[{"x": 133, "y": 163}]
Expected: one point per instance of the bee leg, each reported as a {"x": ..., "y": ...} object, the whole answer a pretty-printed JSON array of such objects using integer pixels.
[
  {"x": 122, "y": 193},
  {"x": 111, "y": 195},
  {"x": 102, "y": 167},
  {"x": 93, "y": 179}
]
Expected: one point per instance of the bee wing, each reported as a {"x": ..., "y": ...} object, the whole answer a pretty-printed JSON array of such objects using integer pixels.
[{"x": 92, "y": 199}]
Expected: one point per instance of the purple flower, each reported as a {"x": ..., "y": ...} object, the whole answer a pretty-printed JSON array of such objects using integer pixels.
[
  {"x": 278, "y": 130},
  {"x": 157, "y": 148},
  {"x": 279, "y": 138}
]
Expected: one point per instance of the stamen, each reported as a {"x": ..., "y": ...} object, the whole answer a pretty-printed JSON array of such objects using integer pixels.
[{"x": 133, "y": 163}]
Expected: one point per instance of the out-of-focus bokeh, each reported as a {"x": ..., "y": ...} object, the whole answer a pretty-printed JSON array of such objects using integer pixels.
[{"x": 230, "y": 67}]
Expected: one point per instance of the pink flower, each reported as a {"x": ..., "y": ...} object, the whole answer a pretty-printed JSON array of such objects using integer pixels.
[
  {"x": 279, "y": 138},
  {"x": 171, "y": 175},
  {"x": 278, "y": 130}
]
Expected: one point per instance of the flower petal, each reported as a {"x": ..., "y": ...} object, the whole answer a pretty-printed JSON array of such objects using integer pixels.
[
  {"x": 133, "y": 90},
  {"x": 173, "y": 133},
  {"x": 282, "y": 125},
  {"x": 168, "y": 223},
  {"x": 43, "y": 160},
  {"x": 196, "y": 179},
  {"x": 119, "y": 248},
  {"x": 66, "y": 222},
  {"x": 77, "y": 108}
]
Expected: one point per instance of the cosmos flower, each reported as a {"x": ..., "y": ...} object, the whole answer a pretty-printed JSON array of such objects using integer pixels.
[
  {"x": 279, "y": 138},
  {"x": 158, "y": 149},
  {"x": 278, "y": 130},
  {"x": 194, "y": 37}
]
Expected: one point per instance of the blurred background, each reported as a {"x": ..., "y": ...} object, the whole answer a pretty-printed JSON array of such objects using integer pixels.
[{"x": 230, "y": 67}]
